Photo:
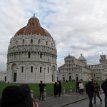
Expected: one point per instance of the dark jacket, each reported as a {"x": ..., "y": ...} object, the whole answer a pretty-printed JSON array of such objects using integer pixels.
[
  {"x": 89, "y": 88},
  {"x": 55, "y": 89},
  {"x": 104, "y": 87},
  {"x": 41, "y": 87},
  {"x": 59, "y": 87}
]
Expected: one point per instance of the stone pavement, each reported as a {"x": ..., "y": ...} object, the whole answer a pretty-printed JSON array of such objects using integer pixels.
[{"x": 62, "y": 101}]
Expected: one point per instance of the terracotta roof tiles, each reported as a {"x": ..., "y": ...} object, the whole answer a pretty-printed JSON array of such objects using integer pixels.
[{"x": 33, "y": 27}]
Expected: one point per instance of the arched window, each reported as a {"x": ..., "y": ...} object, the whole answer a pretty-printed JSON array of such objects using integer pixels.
[
  {"x": 31, "y": 68},
  {"x": 48, "y": 69},
  {"x": 52, "y": 77},
  {"x": 22, "y": 68},
  {"x": 23, "y": 41},
  {"x": 40, "y": 69},
  {"x": 31, "y": 41},
  {"x": 39, "y": 41},
  {"x": 40, "y": 55},
  {"x": 46, "y": 42},
  {"x": 28, "y": 54},
  {"x": 16, "y": 42}
]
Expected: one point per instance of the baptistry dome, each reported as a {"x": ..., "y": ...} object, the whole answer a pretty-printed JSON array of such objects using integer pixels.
[
  {"x": 33, "y": 27},
  {"x": 32, "y": 55}
]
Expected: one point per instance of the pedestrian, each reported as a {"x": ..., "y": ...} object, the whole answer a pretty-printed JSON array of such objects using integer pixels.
[
  {"x": 104, "y": 87},
  {"x": 81, "y": 87},
  {"x": 59, "y": 88},
  {"x": 77, "y": 85},
  {"x": 41, "y": 90},
  {"x": 55, "y": 89},
  {"x": 96, "y": 91},
  {"x": 16, "y": 96},
  {"x": 90, "y": 92}
]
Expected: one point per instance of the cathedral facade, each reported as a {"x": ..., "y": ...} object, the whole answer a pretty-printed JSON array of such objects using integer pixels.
[
  {"x": 77, "y": 69},
  {"x": 32, "y": 55}
]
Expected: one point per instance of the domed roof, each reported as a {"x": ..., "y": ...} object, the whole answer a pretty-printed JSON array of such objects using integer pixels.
[
  {"x": 69, "y": 57},
  {"x": 82, "y": 58},
  {"x": 33, "y": 27}
]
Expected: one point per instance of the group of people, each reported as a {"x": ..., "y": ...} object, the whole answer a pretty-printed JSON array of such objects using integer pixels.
[
  {"x": 57, "y": 89},
  {"x": 79, "y": 86},
  {"x": 93, "y": 89},
  {"x": 17, "y": 96},
  {"x": 21, "y": 96}
]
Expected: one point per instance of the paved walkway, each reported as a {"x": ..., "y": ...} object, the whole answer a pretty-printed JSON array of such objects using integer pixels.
[{"x": 62, "y": 101}]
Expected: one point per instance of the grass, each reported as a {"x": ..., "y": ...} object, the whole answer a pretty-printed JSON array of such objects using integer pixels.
[
  {"x": 67, "y": 86},
  {"x": 49, "y": 87}
]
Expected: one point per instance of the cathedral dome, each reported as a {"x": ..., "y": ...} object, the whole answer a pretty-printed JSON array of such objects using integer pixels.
[
  {"x": 82, "y": 58},
  {"x": 69, "y": 57},
  {"x": 33, "y": 27}
]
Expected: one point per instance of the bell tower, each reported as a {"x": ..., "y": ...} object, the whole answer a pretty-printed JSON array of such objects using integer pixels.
[{"x": 103, "y": 59}]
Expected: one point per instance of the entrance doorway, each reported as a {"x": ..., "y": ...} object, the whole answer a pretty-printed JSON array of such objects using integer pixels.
[
  {"x": 14, "y": 77},
  {"x": 69, "y": 78},
  {"x": 77, "y": 77},
  {"x": 52, "y": 77}
]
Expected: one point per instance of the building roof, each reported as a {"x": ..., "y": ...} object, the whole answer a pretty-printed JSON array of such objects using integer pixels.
[
  {"x": 69, "y": 57},
  {"x": 33, "y": 27},
  {"x": 82, "y": 58}
]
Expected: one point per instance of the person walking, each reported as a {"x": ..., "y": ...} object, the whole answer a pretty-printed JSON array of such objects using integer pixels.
[
  {"x": 55, "y": 89},
  {"x": 90, "y": 92},
  {"x": 77, "y": 85},
  {"x": 104, "y": 87},
  {"x": 59, "y": 88},
  {"x": 96, "y": 91},
  {"x": 81, "y": 87},
  {"x": 41, "y": 90}
]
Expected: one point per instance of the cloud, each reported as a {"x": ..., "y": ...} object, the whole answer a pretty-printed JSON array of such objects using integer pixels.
[{"x": 78, "y": 26}]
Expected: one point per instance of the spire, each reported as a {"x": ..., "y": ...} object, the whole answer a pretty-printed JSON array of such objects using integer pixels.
[
  {"x": 33, "y": 15},
  {"x": 81, "y": 54}
]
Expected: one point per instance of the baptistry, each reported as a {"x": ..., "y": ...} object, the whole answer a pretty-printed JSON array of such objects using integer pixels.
[{"x": 32, "y": 55}]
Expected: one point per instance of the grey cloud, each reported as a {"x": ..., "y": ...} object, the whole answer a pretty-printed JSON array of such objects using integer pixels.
[{"x": 76, "y": 25}]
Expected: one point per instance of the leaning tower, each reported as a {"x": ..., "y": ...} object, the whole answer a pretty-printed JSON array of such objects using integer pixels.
[{"x": 32, "y": 55}]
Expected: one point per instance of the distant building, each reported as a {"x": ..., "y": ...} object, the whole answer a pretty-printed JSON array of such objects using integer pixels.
[
  {"x": 32, "y": 55},
  {"x": 76, "y": 69}
]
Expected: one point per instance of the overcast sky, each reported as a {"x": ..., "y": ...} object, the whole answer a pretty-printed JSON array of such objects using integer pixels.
[{"x": 77, "y": 26}]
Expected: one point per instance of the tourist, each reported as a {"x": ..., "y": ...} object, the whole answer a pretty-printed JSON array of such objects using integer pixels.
[
  {"x": 41, "y": 90},
  {"x": 16, "y": 96},
  {"x": 104, "y": 87},
  {"x": 77, "y": 85},
  {"x": 90, "y": 92},
  {"x": 59, "y": 88},
  {"x": 81, "y": 87},
  {"x": 96, "y": 91},
  {"x": 55, "y": 89}
]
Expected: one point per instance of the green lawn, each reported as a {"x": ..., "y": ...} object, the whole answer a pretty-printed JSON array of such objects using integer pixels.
[
  {"x": 49, "y": 87},
  {"x": 67, "y": 86}
]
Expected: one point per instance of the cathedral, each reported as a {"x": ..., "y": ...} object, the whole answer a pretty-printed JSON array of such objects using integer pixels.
[
  {"x": 32, "y": 55},
  {"x": 78, "y": 69}
]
